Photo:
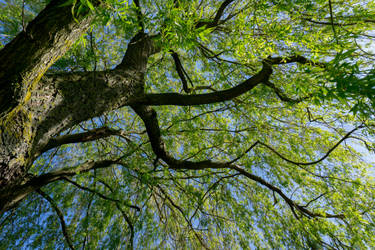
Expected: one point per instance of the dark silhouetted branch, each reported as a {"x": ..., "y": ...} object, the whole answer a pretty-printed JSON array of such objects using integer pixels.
[
  {"x": 149, "y": 117},
  {"x": 223, "y": 95},
  {"x": 181, "y": 72},
  {"x": 316, "y": 161},
  {"x": 90, "y": 135},
  {"x": 219, "y": 13},
  {"x": 61, "y": 217}
]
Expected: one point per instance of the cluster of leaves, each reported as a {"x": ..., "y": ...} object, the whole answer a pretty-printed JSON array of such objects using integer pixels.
[
  {"x": 352, "y": 85},
  {"x": 14, "y": 16}
]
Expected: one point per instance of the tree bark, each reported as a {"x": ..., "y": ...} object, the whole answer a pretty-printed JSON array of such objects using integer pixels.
[
  {"x": 58, "y": 102},
  {"x": 26, "y": 58},
  {"x": 34, "y": 109},
  {"x": 23, "y": 62}
]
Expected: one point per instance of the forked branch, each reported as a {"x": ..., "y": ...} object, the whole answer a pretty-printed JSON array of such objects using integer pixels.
[
  {"x": 149, "y": 117},
  {"x": 223, "y": 95}
]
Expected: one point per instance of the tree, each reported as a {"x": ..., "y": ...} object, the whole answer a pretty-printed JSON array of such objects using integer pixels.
[{"x": 187, "y": 124}]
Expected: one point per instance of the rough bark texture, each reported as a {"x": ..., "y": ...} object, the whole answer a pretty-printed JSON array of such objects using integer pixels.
[
  {"x": 36, "y": 108},
  {"x": 58, "y": 102},
  {"x": 27, "y": 57},
  {"x": 23, "y": 62}
]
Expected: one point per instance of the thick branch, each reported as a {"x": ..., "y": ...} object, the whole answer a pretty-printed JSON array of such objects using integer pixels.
[
  {"x": 223, "y": 95},
  {"x": 149, "y": 117},
  {"x": 140, "y": 48},
  {"x": 199, "y": 99},
  {"x": 221, "y": 9},
  {"x": 90, "y": 135},
  {"x": 14, "y": 194},
  {"x": 219, "y": 14},
  {"x": 181, "y": 72},
  {"x": 26, "y": 58},
  {"x": 293, "y": 59},
  {"x": 60, "y": 101}
]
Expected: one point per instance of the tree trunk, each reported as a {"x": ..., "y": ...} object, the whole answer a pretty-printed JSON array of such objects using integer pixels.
[
  {"x": 26, "y": 58},
  {"x": 23, "y": 62},
  {"x": 58, "y": 102}
]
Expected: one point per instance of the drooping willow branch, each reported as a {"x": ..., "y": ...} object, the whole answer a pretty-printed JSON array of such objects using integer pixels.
[
  {"x": 130, "y": 224},
  {"x": 361, "y": 20},
  {"x": 34, "y": 183},
  {"x": 318, "y": 160},
  {"x": 149, "y": 117},
  {"x": 87, "y": 136},
  {"x": 212, "y": 187},
  {"x": 105, "y": 197},
  {"x": 282, "y": 96},
  {"x": 60, "y": 215},
  {"x": 183, "y": 215},
  {"x": 118, "y": 204}
]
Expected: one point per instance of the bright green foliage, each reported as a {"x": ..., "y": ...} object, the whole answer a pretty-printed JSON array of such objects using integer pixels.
[
  {"x": 225, "y": 210},
  {"x": 13, "y": 19}
]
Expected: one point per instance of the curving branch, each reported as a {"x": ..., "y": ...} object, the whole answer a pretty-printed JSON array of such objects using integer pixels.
[
  {"x": 98, "y": 193},
  {"x": 289, "y": 201},
  {"x": 318, "y": 160},
  {"x": 124, "y": 215},
  {"x": 315, "y": 199},
  {"x": 9, "y": 198},
  {"x": 90, "y": 135},
  {"x": 223, "y": 95},
  {"x": 60, "y": 215},
  {"x": 211, "y": 55},
  {"x": 130, "y": 224},
  {"x": 219, "y": 13},
  {"x": 212, "y": 187},
  {"x": 149, "y": 117},
  {"x": 199, "y": 99}
]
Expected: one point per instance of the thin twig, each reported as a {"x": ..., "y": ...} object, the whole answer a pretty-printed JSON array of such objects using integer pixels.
[{"x": 60, "y": 215}]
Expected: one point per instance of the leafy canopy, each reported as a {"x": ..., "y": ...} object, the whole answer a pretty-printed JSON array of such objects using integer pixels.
[{"x": 308, "y": 131}]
